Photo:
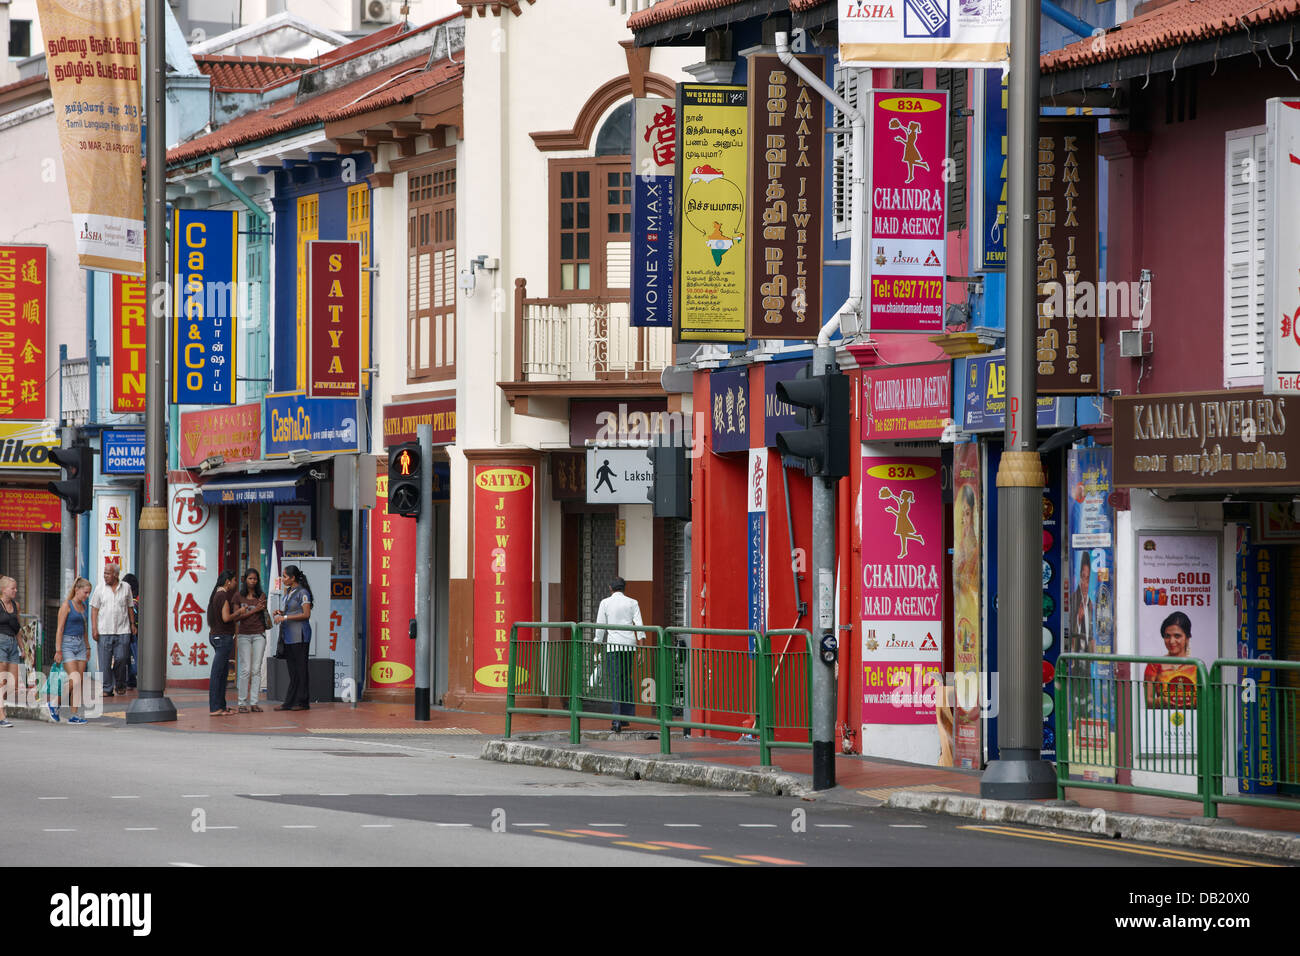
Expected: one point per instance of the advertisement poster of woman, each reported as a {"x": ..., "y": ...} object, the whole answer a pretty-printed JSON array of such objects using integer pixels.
[{"x": 1178, "y": 619}]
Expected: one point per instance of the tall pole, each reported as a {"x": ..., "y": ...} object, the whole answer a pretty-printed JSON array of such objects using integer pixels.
[
  {"x": 152, "y": 705},
  {"x": 823, "y": 547},
  {"x": 423, "y": 564},
  {"x": 1020, "y": 773}
]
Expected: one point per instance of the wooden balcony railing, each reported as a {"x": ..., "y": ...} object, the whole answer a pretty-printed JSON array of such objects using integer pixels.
[{"x": 585, "y": 340}]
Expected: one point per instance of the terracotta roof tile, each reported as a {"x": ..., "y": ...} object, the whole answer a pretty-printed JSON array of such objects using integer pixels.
[
  {"x": 666, "y": 10},
  {"x": 1168, "y": 26},
  {"x": 250, "y": 72},
  {"x": 385, "y": 87}
]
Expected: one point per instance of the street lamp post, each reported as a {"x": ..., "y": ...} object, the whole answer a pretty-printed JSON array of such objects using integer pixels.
[
  {"x": 152, "y": 706},
  {"x": 1020, "y": 773}
]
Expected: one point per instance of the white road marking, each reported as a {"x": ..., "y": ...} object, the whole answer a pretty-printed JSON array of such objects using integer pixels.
[
  {"x": 760, "y": 826},
  {"x": 462, "y": 824},
  {"x": 210, "y": 827},
  {"x": 376, "y": 826},
  {"x": 60, "y": 829},
  {"x": 51, "y": 798},
  {"x": 606, "y": 824},
  {"x": 681, "y": 824},
  {"x": 401, "y": 794},
  {"x": 187, "y": 796},
  {"x": 907, "y": 826},
  {"x": 263, "y": 794},
  {"x": 128, "y": 797},
  {"x": 834, "y": 826},
  {"x": 536, "y": 824},
  {"x": 185, "y": 864},
  {"x": 333, "y": 794},
  {"x": 138, "y": 829},
  {"x": 297, "y": 826}
]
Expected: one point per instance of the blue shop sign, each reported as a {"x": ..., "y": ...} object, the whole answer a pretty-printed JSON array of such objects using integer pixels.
[
  {"x": 295, "y": 422},
  {"x": 777, "y": 415},
  {"x": 122, "y": 453},
  {"x": 984, "y": 398},
  {"x": 730, "y": 409}
]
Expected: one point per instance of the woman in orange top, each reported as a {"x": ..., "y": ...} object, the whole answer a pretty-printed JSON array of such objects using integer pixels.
[{"x": 1172, "y": 685}]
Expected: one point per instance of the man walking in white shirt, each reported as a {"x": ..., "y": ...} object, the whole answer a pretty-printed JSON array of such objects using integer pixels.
[
  {"x": 112, "y": 617},
  {"x": 618, "y": 608}
]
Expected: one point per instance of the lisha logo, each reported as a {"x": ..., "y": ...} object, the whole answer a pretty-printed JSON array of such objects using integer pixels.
[
  {"x": 77, "y": 909},
  {"x": 715, "y": 209}
]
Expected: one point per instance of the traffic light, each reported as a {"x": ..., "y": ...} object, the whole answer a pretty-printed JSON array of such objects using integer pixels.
[
  {"x": 670, "y": 488},
  {"x": 78, "y": 464},
  {"x": 823, "y": 442},
  {"x": 404, "y": 479}
]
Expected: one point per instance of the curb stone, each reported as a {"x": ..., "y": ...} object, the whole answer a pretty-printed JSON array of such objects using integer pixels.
[
  {"x": 657, "y": 769},
  {"x": 1058, "y": 815},
  {"x": 39, "y": 713}
]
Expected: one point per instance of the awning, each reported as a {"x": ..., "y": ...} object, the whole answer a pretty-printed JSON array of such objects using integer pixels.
[{"x": 254, "y": 489}]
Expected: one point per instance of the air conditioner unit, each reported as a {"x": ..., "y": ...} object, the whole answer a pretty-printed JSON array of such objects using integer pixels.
[{"x": 376, "y": 11}]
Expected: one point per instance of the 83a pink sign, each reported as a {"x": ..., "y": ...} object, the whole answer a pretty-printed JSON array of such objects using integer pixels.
[
  {"x": 909, "y": 206},
  {"x": 902, "y": 582}
]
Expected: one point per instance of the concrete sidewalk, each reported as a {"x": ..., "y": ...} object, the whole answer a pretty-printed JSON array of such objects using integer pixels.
[{"x": 733, "y": 765}]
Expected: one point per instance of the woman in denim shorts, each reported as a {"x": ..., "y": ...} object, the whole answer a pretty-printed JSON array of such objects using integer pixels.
[
  {"x": 10, "y": 649},
  {"x": 72, "y": 650}
]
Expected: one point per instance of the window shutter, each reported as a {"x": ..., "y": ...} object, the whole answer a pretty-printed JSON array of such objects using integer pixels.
[
  {"x": 1245, "y": 251},
  {"x": 849, "y": 87},
  {"x": 954, "y": 81}
]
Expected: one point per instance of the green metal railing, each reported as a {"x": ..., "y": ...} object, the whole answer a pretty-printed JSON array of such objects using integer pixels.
[
  {"x": 1256, "y": 735},
  {"x": 765, "y": 690},
  {"x": 1107, "y": 725},
  {"x": 1200, "y": 727}
]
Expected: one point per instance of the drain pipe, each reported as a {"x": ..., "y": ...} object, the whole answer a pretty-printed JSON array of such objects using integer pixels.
[
  {"x": 1066, "y": 19},
  {"x": 857, "y": 243}
]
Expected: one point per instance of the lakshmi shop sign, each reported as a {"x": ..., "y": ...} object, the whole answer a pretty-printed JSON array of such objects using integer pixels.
[{"x": 1238, "y": 438}]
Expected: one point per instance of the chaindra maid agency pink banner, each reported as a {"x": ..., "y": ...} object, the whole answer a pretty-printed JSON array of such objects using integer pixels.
[{"x": 902, "y": 581}]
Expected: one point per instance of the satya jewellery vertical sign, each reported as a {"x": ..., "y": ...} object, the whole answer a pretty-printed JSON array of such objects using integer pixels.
[
  {"x": 503, "y": 567},
  {"x": 654, "y": 159},
  {"x": 1069, "y": 319},
  {"x": 203, "y": 331},
  {"x": 711, "y": 186},
  {"x": 23, "y": 304},
  {"x": 952, "y": 33},
  {"x": 391, "y": 601},
  {"x": 1282, "y": 286},
  {"x": 334, "y": 318},
  {"x": 909, "y": 210},
  {"x": 92, "y": 56},
  {"x": 129, "y": 339},
  {"x": 785, "y": 207}
]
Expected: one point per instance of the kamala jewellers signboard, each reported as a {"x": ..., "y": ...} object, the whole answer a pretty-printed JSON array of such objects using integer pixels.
[
  {"x": 1236, "y": 438},
  {"x": 1069, "y": 315},
  {"x": 1282, "y": 286},
  {"x": 785, "y": 208}
]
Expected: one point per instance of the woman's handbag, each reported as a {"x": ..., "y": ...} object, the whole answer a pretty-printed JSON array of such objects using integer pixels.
[
  {"x": 267, "y": 623},
  {"x": 279, "y": 646}
]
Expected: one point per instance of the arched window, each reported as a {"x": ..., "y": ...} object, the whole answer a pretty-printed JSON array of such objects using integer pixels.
[{"x": 591, "y": 214}]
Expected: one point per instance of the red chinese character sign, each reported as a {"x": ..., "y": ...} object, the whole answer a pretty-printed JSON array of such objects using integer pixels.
[
  {"x": 22, "y": 331},
  {"x": 391, "y": 652},
  {"x": 503, "y": 567},
  {"x": 906, "y": 252},
  {"x": 192, "y": 554}
]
